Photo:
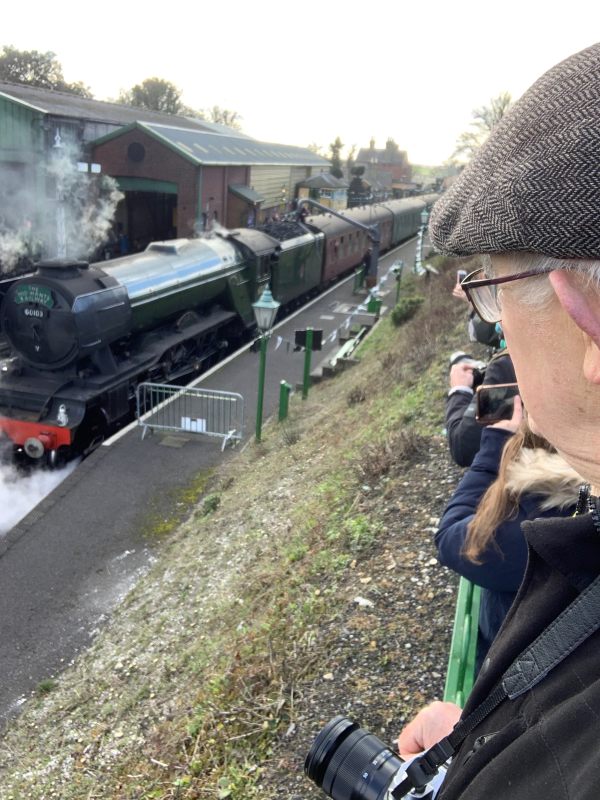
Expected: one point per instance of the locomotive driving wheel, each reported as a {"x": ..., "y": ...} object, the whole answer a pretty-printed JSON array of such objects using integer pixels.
[{"x": 57, "y": 458}]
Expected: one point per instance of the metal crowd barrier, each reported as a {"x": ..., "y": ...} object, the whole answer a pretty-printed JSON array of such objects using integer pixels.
[
  {"x": 184, "y": 409},
  {"x": 461, "y": 664}
]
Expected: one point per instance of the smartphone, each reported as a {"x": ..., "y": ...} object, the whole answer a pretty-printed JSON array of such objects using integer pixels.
[
  {"x": 495, "y": 402},
  {"x": 461, "y": 274}
]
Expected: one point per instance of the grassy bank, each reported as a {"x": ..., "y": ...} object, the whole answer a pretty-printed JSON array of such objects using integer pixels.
[{"x": 214, "y": 673}]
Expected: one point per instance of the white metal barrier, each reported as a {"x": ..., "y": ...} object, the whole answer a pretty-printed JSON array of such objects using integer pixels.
[{"x": 184, "y": 409}]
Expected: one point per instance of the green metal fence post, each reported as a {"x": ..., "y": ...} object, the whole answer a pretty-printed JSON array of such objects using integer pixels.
[
  {"x": 307, "y": 355},
  {"x": 261, "y": 385},
  {"x": 284, "y": 399},
  {"x": 359, "y": 279},
  {"x": 461, "y": 663},
  {"x": 397, "y": 269}
]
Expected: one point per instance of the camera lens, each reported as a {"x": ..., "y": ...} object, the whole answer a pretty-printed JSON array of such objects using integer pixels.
[{"x": 349, "y": 763}]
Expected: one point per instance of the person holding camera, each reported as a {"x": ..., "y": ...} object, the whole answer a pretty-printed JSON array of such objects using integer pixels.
[
  {"x": 530, "y": 202},
  {"x": 463, "y": 430}
]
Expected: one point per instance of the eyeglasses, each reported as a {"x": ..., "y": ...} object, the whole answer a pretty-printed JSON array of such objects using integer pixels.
[{"x": 483, "y": 295}]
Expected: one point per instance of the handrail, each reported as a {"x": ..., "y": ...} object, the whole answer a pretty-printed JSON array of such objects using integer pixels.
[{"x": 460, "y": 675}]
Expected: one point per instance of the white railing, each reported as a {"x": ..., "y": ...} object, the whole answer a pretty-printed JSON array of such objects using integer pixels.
[{"x": 183, "y": 409}]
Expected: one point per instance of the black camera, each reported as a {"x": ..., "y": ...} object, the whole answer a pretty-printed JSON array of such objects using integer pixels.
[
  {"x": 349, "y": 763},
  {"x": 478, "y": 376}
]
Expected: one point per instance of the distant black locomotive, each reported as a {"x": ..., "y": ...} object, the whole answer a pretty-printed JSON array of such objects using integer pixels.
[{"x": 83, "y": 337}]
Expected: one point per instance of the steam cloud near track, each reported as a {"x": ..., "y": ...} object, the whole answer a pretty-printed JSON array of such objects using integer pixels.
[{"x": 19, "y": 494}]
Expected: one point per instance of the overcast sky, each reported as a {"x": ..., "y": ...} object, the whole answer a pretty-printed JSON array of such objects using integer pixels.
[{"x": 303, "y": 72}]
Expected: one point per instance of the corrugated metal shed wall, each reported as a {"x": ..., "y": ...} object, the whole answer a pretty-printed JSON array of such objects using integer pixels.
[
  {"x": 298, "y": 175},
  {"x": 20, "y": 136},
  {"x": 269, "y": 182}
]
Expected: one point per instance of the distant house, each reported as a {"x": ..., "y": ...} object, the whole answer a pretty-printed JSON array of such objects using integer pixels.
[
  {"x": 178, "y": 174},
  {"x": 326, "y": 189},
  {"x": 386, "y": 170}
]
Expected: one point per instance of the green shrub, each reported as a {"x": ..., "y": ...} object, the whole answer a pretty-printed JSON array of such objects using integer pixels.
[
  {"x": 210, "y": 504},
  {"x": 406, "y": 308}
]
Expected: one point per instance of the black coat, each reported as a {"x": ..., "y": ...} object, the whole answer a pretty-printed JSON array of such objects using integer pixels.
[{"x": 544, "y": 744}]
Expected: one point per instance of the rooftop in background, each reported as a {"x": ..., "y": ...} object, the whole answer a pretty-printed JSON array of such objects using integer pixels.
[
  {"x": 64, "y": 104},
  {"x": 324, "y": 180},
  {"x": 203, "y": 147}
]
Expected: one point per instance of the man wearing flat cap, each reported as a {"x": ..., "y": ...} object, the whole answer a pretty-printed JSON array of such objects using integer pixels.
[{"x": 529, "y": 203}]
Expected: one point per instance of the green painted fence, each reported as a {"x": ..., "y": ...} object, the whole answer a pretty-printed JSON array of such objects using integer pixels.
[{"x": 461, "y": 664}]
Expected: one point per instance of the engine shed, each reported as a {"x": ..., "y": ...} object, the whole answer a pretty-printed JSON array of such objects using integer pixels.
[{"x": 186, "y": 180}]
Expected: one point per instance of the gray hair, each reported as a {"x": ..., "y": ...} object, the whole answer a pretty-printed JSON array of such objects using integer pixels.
[{"x": 539, "y": 290}]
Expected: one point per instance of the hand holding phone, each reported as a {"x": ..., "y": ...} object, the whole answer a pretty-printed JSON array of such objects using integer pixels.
[
  {"x": 495, "y": 402},
  {"x": 512, "y": 425}
]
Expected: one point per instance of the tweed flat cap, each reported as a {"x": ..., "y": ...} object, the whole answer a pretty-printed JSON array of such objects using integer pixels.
[{"x": 535, "y": 183}]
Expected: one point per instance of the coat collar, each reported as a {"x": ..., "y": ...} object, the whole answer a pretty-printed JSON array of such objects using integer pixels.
[{"x": 571, "y": 546}]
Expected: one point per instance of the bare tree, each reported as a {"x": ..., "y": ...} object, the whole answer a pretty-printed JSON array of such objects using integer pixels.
[
  {"x": 335, "y": 149},
  {"x": 223, "y": 116},
  {"x": 484, "y": 121},
  {"x": 351, "y": 159},
  {"x": 315, "y": 148}
]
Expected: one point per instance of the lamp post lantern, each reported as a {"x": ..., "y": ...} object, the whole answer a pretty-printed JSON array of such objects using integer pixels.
[{"x": 265, "y": 311}]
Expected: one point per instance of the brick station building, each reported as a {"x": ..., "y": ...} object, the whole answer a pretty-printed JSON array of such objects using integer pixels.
[{"x": 188, "y": 178}]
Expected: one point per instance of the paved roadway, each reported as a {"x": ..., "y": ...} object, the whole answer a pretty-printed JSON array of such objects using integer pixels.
[{"x": 66, "y": 565}]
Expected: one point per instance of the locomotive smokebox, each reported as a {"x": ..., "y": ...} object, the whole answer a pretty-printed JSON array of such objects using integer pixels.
[{"x": 63, "y": 313}]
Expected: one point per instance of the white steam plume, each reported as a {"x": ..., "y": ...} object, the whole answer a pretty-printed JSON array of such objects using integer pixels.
[
  {"x": 87, "y": 203},
  {"x": 19, "y": 494},
  {"x": 30, "y": 228}
]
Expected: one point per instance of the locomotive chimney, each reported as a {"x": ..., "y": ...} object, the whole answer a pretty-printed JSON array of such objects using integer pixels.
[{"x": 64, "y": 268}]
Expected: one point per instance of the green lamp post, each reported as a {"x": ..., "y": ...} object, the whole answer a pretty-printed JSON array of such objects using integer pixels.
[{"x": 265, "y": 310}]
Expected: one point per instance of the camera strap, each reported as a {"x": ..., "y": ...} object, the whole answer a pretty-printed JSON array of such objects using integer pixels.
[{"x": 564, "y": 634}]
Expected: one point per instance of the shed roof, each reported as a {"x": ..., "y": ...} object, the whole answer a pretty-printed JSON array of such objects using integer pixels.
[
  {"x": 203, "y": 147},
  {"x": 324, "y": 180},
  {"x": 246, "y": 193},
  {"x": 64, "y": 104}
]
